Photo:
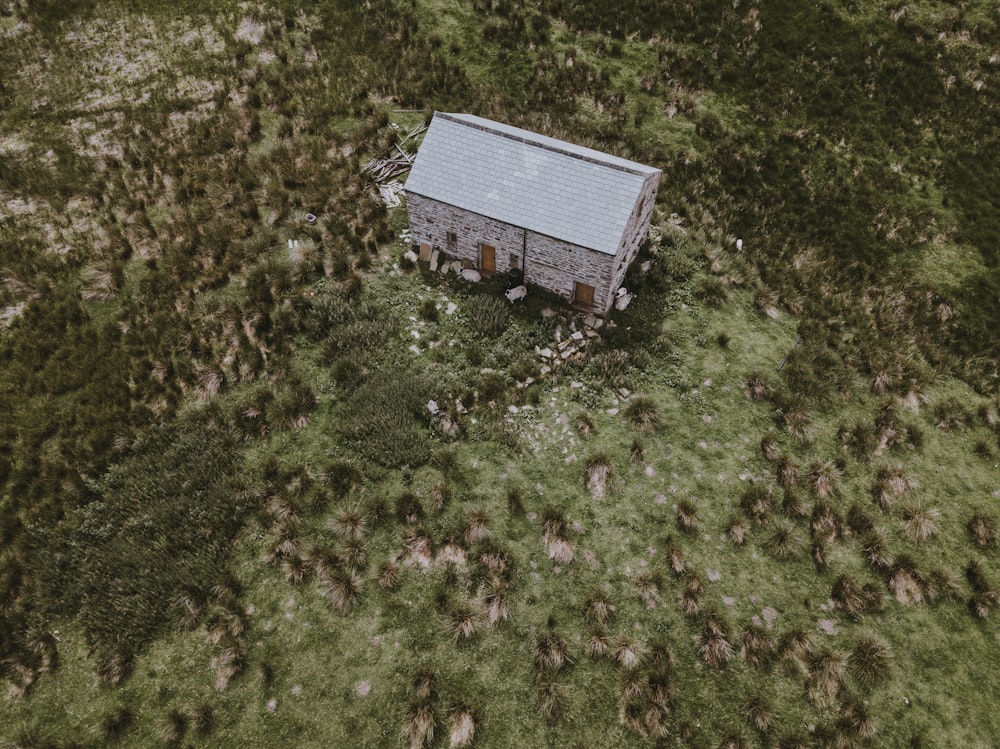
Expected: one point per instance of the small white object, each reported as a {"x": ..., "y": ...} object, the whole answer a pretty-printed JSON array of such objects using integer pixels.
[
  {"x": 518, "y": 292},
  {"x": 432, "y": 406},
  {"x": 623, "y": 299},
  {"x": 739, "y": 245},
  {"x": 310, "y": 218},
  {"x": 411, "y": 256},
  {"x": 290, "y": 244},
  {"x": 472, "y": 275}
]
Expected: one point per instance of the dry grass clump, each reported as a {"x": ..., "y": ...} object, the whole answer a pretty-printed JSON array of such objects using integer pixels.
[
  {"x": 114, "y": 724},
  {"x": 982, "y": 530},
  {"x": 556, "y": 537},
  {"x": 854, "y": 599},
  {"x": 826, "y": 673},
  {"x": 795, "y": 646},
  {"x": 597, "y": 473},
  {"x": 824, "y": 524},
  {"x": 792, "y": 505},
  {"x": 870, "y": 660},
  {"x": 598, "y": 609},
  {"x": 417, "y": 550},
  {"x": 174, "y": 727},
  {"x": 918, "y": 523},
  {"x": 598, "y": 644},
  {"x": 875, "y": 550},
  {"x": 629, "y": 651},
  {"x": 891, "y": 483},
  {"x": 907, "y": 582},
  {"x": 203, "y": 716},
  {"x": 340, "y": 586},
  {"x": 584, "y": 424},
  {"x": 738, "y": 529},
  {"x": 551, "y": 697},
  {"x": 438, "y": 496},
  {"x": 854, "y": 720},
  {"x": 461, "y": 621},
  {"x": 822, "y": 478},
  {"x": 496, "y": 604},
  {"x": 477, "y": 524},
  {"x": 690, "y": 601},
  {"x": 783, "y": 541},
  {"x": 389, "y": 574},
  {"x": 769, "y": 447},
  {"x": 757, "y": 646},
  {"x": 462, "y": 726},
  {"x": 756, "y": 386},
  {"x": 798, "y": 424},
  {"x": 643, "y": 413},
  {"x": 984, "y": 595},
  {"x": 637, "y": 452},
  {"x": 675, "y": 556},
  {"x": 350, "y": 523},
  {"x": 551, "y": 652},
  {"x": 757, "y": 503},
  {"x": 760, "y": 712},
  {"x": 687, "y": 516},
  {"x": 787, "y": 471},
  {"x": 715, "y": 641},
  {"x": 419, "y": 724}
]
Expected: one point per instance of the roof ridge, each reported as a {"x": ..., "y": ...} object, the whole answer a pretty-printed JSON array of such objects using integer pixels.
[{"x": 459, "y": 119}]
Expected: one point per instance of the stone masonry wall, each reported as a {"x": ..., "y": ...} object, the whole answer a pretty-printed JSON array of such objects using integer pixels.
[
  {"x": 550, "y": 263},
  {"x": 635, "y": 232}
]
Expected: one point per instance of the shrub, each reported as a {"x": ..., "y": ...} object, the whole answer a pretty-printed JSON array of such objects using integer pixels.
[
  {"x": 711, "y": 291},
  {"x": 429, "y": 311},
  {"x": 488, "y": 316}
]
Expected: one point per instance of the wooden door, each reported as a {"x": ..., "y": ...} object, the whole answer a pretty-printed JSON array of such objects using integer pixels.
[
  {"x": 487, "y": 258},
  {"x": 583, "y": 294}
]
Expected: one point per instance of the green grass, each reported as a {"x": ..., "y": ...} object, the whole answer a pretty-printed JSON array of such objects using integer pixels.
[{"x": 862, "y": 213}]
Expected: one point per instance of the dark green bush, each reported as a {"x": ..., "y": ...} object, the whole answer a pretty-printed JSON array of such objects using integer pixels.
[{"x": 488, "y": 316}]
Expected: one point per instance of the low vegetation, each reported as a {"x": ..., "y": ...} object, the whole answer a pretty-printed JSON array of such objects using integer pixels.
[{"x": 257, "y": 470}]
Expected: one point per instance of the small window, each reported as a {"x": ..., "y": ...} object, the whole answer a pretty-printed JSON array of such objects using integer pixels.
[
  {"x": 515, "y": 262},
  {"x": 452, "y": 240}
]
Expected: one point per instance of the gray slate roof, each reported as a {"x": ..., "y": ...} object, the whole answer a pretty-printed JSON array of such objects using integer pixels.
[{"x": 549, "y": 186}]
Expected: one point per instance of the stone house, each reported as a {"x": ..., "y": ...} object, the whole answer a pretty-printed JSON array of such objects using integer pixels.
[{"x": 496, "y": 197}]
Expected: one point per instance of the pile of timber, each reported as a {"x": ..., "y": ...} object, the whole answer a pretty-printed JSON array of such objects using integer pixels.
[{"x": 396, "y": 163}]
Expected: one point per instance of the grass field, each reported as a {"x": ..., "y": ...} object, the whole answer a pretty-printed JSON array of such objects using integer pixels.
[{"x": 759, "y": 509}]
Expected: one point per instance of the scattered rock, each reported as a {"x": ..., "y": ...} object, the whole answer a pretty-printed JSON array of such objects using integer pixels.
[
  {"x": 829, "y": 626},
  {"x": 713, "y": 575},
  {"x": 770, "y": 616},
  {"x": 450, "y": 309}
]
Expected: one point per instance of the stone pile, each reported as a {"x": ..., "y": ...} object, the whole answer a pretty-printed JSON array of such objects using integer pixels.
[{"x": 571, "y": 348}]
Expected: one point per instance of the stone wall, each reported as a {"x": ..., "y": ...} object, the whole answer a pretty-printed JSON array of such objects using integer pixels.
[
  {"x": 635, "y": 232},
  {"x": 550, "y": 263}
]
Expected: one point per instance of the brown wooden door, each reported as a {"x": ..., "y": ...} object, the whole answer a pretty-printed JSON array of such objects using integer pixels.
[
  {"x": 583, "y": 294},
  {"x": 487, "y": 258}
]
